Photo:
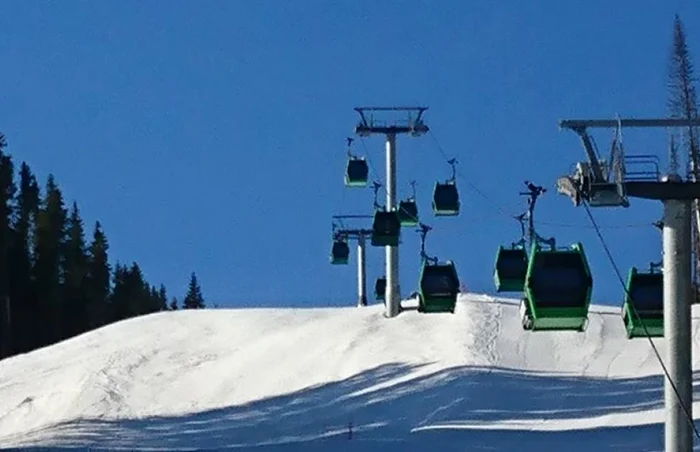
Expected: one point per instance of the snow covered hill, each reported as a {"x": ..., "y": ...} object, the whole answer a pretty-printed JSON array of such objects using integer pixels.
[{"x": 340, "y": 379}]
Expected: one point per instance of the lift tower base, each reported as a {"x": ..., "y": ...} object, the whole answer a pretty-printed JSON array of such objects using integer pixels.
[{"x": 610, "y": 187}]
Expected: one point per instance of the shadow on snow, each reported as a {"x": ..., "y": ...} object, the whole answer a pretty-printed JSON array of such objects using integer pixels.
[{"x": 427, "y": 411}]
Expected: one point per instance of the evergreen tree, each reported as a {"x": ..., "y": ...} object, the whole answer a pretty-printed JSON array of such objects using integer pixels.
[
  {"x": 162, "y": 298},
  {"x": 132, "y": 295},
  {"x": 194, "y": 298},
  {"x": 75, "y": 301},
  {"x": 22, "y": 297},
  {"x": 53, "y": 285},
  {"x": 120, "y": 296},
  {"x": 98, "y": 279},
  {"x": 7, "y": 194},
  {"x": 682, "y": 103},
  {"x": 48, "y": 269},
  {"x": 139, "y": 292},
  {"x": 173, "y": 304}
]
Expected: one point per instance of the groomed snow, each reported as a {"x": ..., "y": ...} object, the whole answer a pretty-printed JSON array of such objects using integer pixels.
[{"x": 303, "y": 379}]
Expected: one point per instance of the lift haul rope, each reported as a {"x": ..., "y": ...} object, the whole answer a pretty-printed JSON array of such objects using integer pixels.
[
  {"x": 634, "y": 310},
  {"x": 502, "y": 211}
]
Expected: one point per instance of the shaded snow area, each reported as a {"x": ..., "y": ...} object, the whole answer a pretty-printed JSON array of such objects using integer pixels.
[{"x": 340, "y": 379}]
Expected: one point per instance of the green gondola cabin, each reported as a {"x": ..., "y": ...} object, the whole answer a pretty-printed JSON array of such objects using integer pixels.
[
  {"x": 356, "y": 172},
  {"x": 340, "y": 252},
  {"x": 386, "y": 228},
  {"x": 438, "y": 287},
  {"x": 510, "y": 269},
  {"x": 380, "y": 289},
  {"x": 446, "y": 199},
  {"x": 408, "y": 213},
  {"x": 558, "y": 287},
  {"x": 644, "y": 293}
]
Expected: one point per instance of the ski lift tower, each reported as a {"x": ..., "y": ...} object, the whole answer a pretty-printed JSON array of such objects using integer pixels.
[
  {"x": 360, "y": 235},
  {"x": 412, "y": 124},
  {"x": 601, "y": 184}
]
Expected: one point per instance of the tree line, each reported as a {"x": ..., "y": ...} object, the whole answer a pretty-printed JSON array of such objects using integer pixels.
[{"x": 54, "y": 283}]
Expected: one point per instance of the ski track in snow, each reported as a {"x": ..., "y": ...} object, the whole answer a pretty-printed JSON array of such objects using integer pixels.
[{"x": 340, "y": 378}]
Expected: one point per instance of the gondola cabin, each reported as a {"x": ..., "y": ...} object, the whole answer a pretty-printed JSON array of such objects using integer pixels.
[
  {"x": 408, "y": 212},
  {"x": 510, "y": 269},
  {"x": 340, "y": 252},
  {"x": 380, "y": 288},
  {"x": 438, "y": 287},
  {"x": 644, "y": 293},
  {"x": 558, "y": 288},
  {"x": 446, "y": 199},
  {"x": 356, "y": 172},
  {"x": 386, "y": 228}
]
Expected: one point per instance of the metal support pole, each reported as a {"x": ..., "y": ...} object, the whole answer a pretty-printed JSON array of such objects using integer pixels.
[
  {"x": 393, "y": 296},
  {"x": 361, "y": 272},
  {"x": 677, "y": 323}
]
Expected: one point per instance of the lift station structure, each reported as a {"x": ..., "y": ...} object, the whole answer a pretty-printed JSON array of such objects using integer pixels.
[{"x": 597, "y": 183}]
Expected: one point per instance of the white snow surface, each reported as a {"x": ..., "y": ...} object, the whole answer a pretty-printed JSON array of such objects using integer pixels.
[{"x": 340, "y": 379}]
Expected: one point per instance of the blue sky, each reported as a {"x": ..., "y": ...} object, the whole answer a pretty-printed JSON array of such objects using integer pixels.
[{"x": 210, "y": 136}]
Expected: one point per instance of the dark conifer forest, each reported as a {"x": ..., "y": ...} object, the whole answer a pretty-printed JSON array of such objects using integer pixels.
[{"x": 56, "y": 281}]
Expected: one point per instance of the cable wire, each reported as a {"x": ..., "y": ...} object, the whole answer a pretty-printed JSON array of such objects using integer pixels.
[
  {"x": 375, "y": 174},
  {"x": 501, "y": 210},
  {"x": 636, "y": 314}
]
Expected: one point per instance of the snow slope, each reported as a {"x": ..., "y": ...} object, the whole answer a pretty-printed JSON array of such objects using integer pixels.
[{"x": 340, "y": 379}]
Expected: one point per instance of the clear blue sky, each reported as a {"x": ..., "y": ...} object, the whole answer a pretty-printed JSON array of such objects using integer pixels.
[{"x": 210, "y": 136}]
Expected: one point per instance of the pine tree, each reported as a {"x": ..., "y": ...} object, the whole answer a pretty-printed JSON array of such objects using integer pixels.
[
  {"x": 682, "y": 103},
  {"x": 98, "y": 284},
  {"x": 162, "y": 298},
  {"x": 22, "y": 298},
  {"x": 173, "y": 304},
  {"x": 49, "y": 251},
  {"x": 119, "y": 301},
  {"x": 139, "y": 292},
  {"x": 7, "y": 194},
  {"x": 194, "y": 298},
  {"x": 75, "y": 301}
]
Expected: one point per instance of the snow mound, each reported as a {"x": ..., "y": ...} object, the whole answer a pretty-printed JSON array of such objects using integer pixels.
[{"x": 348, "y": 378}]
